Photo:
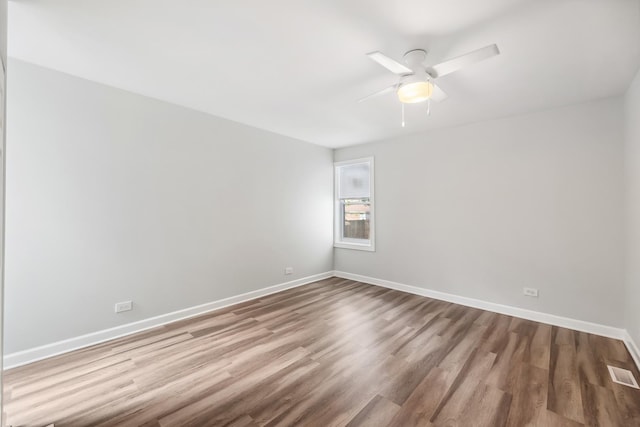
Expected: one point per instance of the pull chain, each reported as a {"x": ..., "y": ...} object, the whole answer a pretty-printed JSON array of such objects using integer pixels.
[
  {"x": 429, "y": 107},
  {"x": 403, "y": 114}
]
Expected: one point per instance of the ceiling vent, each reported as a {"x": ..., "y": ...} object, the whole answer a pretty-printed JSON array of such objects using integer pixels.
[{"x": 622, "y": 376}]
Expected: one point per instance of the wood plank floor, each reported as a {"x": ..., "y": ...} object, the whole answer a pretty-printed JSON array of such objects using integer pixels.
[{"x": 333, "y": 353}]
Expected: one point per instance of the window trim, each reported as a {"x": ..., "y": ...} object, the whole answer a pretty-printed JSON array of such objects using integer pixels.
[{"x": 357, "y": 244}]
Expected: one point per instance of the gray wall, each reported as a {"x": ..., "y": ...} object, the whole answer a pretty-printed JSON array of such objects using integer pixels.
[
  {"x": 486, "y": 209},
  {"x": 113, "y": 196},
  {"x": 3, "y": 30},
  {"x": 3, "y": 56},
  {"x": 632, "y": 168}
]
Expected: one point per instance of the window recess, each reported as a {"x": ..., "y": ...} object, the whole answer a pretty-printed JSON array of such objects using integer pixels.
[{"x": 354, "y": 209}]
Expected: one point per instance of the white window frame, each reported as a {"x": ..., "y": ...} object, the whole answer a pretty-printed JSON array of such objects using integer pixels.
[{"x": 358, "y": 244}]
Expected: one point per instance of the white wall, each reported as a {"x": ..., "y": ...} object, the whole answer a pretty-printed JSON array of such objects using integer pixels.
[
  {"x": 113, "y": 196},
  {"x": 3, "y": 30},
  {"x": 3, "y": 56},
  {"x": 632, "y": 169},
  {"x": 486, "y": 209}
]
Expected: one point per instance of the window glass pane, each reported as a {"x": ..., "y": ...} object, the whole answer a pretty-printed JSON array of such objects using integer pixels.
[
  {"x": 354, "y": 181},
  {"x": 356, "y": 218}
]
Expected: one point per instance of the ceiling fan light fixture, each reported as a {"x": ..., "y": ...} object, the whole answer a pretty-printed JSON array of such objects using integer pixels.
[{"x": 411, "y": 93}]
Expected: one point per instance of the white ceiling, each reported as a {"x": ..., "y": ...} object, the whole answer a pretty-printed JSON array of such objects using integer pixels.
[{"x": 297, "y": 67}]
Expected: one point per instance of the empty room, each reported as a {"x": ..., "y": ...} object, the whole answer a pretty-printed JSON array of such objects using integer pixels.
[{"x": 320, "y": 213}]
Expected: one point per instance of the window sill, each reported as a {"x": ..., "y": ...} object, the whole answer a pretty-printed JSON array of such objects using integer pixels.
[{"x": 369, "y": 247}]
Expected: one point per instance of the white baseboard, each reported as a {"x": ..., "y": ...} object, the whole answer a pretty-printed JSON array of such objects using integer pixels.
[
  {"x": 24, "y": 357},
  {"x": 551, "y": 319},
  {"x": 632, "y": 347}
]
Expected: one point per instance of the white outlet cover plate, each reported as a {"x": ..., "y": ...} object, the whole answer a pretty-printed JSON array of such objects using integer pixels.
[{"x": 123, "y": 306}]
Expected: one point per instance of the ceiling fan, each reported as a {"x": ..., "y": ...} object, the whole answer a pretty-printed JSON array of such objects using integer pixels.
[{"x": 416, "y": 82}]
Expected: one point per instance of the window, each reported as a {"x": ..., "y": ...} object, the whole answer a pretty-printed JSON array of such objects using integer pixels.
[{"x": 354, "y": 205}]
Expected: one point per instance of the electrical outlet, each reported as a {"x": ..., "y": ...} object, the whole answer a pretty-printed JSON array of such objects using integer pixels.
[
  {"x": 288, "y": 270},
  {"x": 530, "y": 292},
  {"x": 124, "y": 306}
]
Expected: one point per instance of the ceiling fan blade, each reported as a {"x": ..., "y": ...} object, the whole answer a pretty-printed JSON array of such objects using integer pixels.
[
  {"x": 378, "y": 93},
  {"x": 438, "y": 94},
  {"x": 390, "y": 64},
  {"x": 448, "y": 67}
]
